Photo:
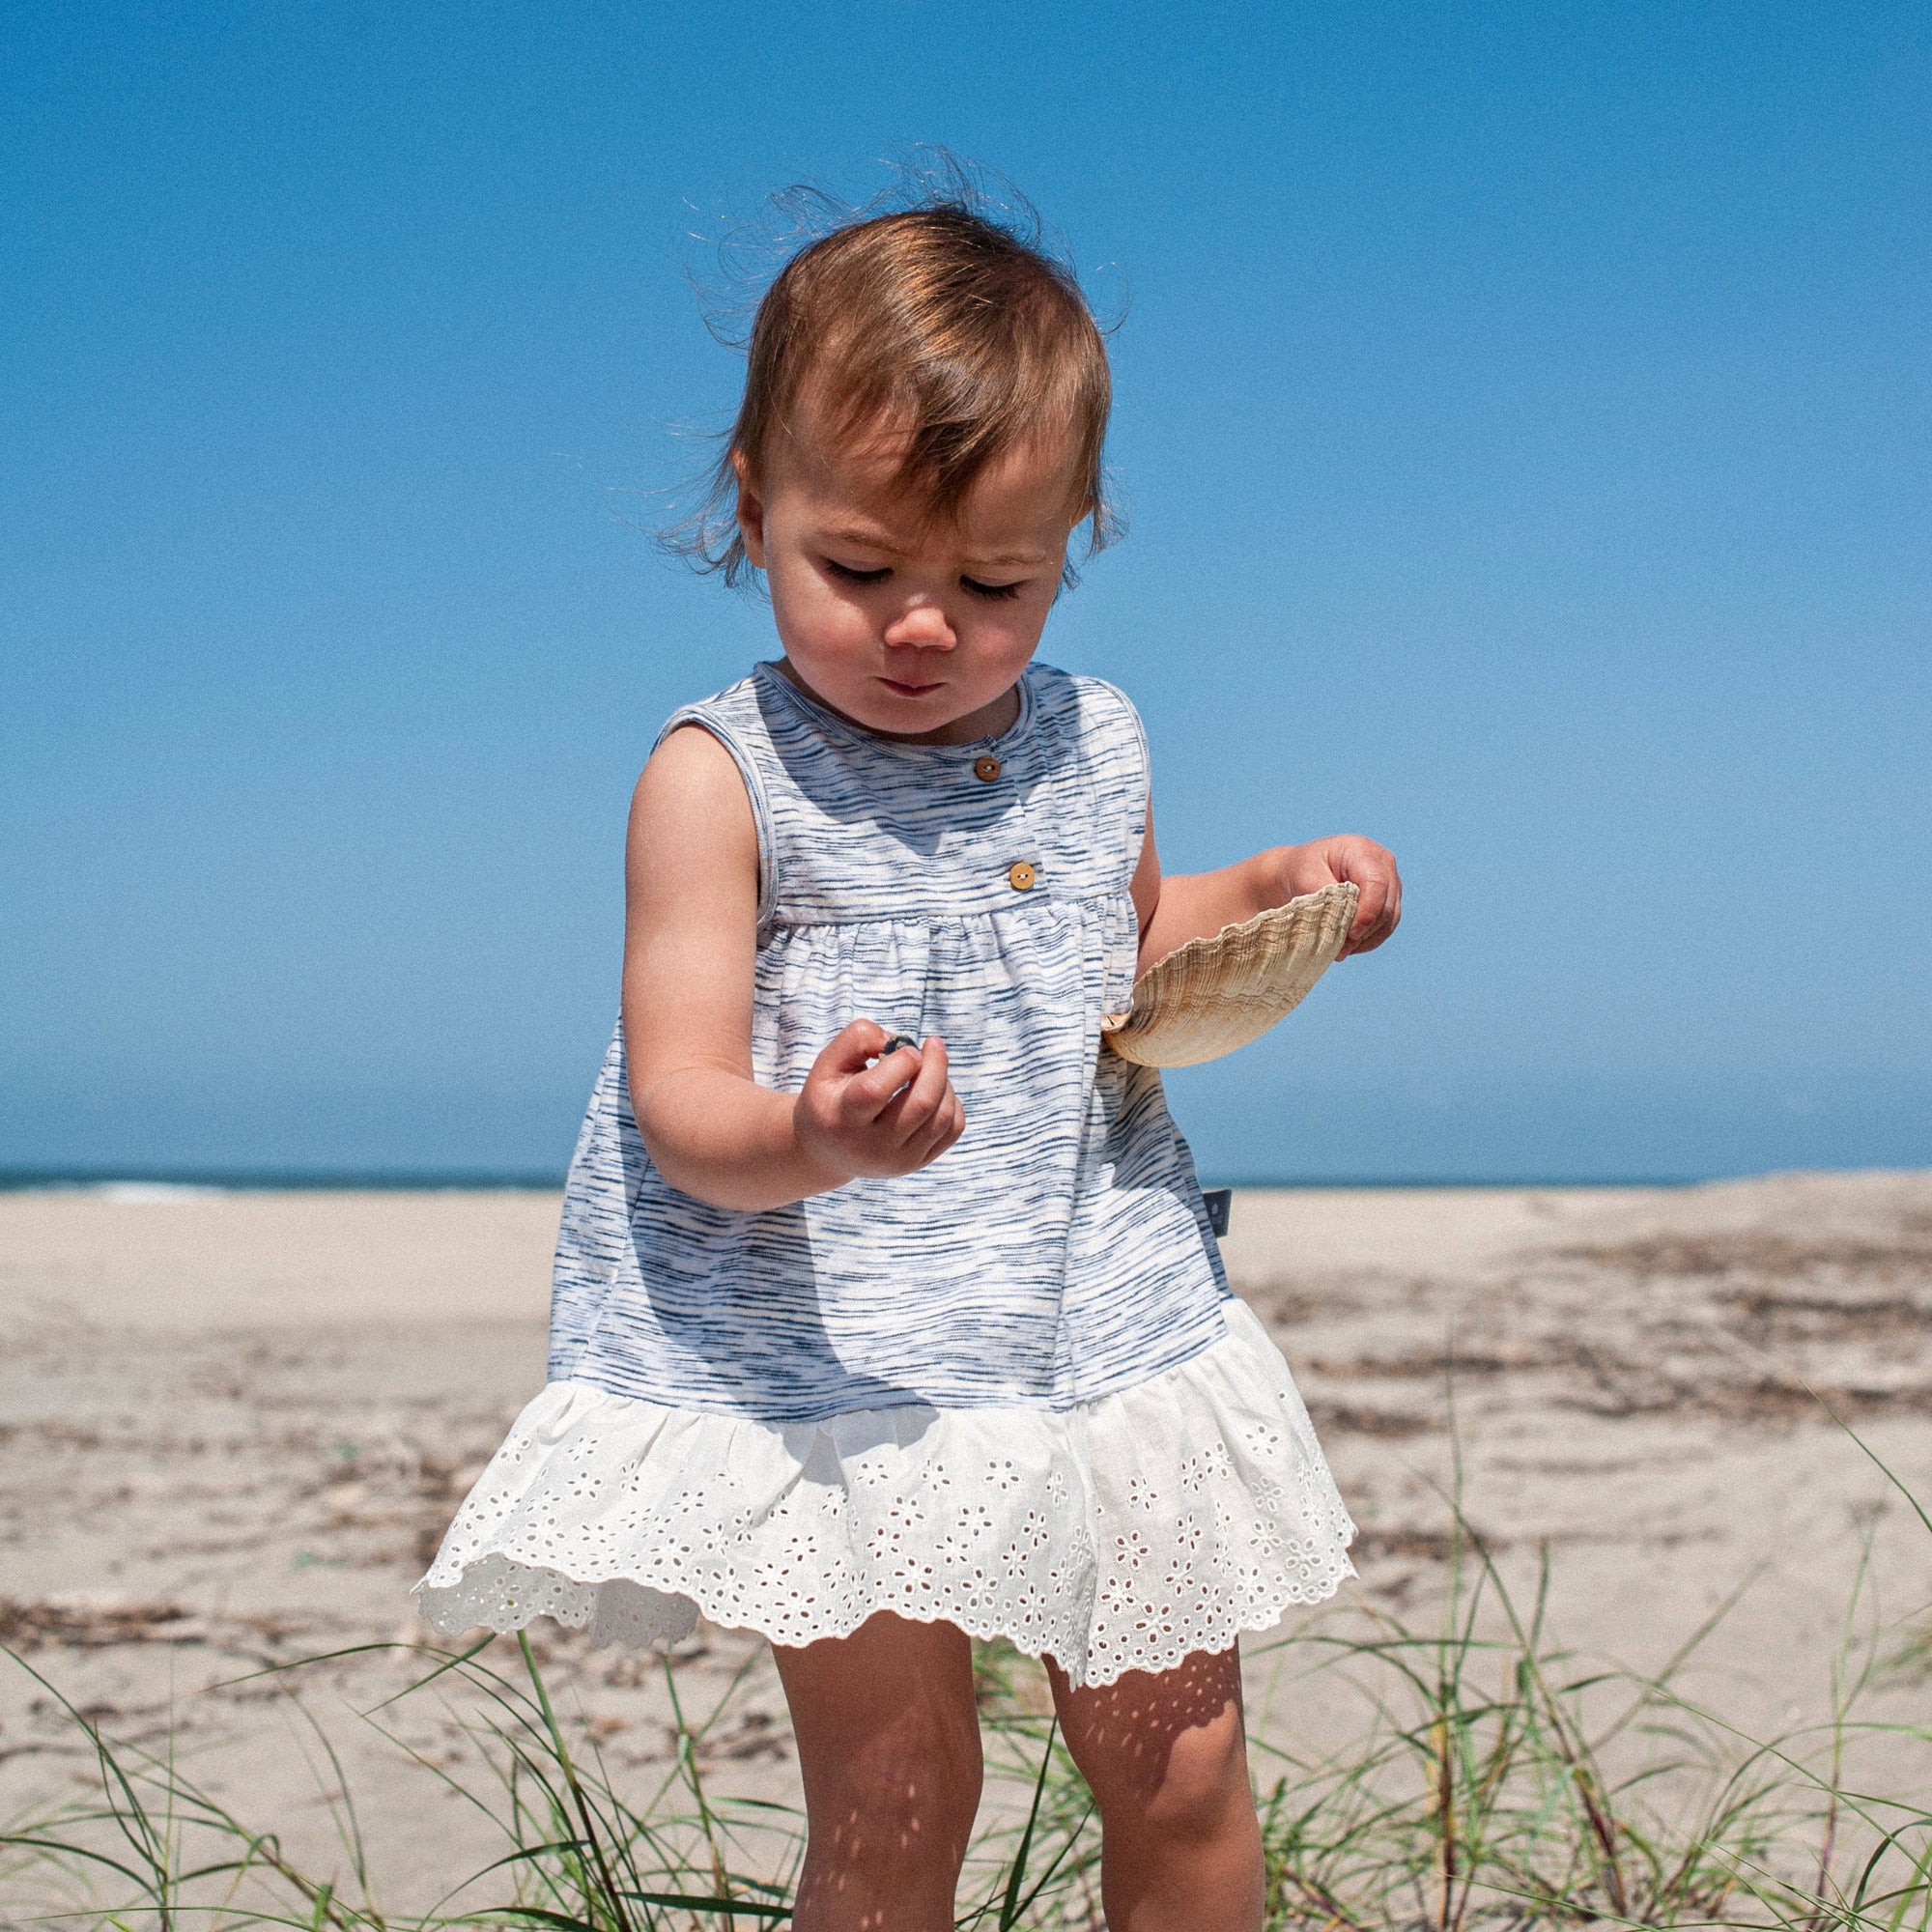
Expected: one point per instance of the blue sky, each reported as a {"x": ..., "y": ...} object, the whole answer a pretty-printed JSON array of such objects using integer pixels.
[{"x": 1524, "y": 423}]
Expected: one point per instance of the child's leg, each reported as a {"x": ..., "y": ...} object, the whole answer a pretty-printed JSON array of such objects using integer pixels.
[
  {"x": 1166, "y": 1756},
  {"x": 888, "y": 1746}
]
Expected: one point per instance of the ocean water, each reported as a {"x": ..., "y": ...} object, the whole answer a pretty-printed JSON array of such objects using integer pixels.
[
  {"x": 1248, "y": 1125},
  {"x": 1306, "y": 1139}
]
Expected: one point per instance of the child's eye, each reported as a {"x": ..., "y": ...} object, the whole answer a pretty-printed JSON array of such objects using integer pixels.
[
  {"x": 847, "y": 575},
  {"x": 979, "y": 589}
]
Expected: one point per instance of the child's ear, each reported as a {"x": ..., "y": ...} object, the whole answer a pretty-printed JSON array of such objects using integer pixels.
[{"x": 750, "y": 511}]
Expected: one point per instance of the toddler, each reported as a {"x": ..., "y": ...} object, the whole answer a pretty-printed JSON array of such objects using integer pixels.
[{"x": 887, "y": 1310}]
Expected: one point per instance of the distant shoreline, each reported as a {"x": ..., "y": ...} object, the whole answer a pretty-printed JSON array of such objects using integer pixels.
[{"x": 220, "y": 1181}]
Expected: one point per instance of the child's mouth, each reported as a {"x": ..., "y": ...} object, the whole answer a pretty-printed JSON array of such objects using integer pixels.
[{"x": 907, "y": 689}]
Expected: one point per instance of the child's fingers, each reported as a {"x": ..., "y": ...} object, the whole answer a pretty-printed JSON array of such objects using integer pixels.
[
  {"x": 873, "y": 1094},
  {"x": 910, "y": 1113},
  {"x": 928, "y": 1093},
  {"x": 904, "y": 1104},
  {"x": 1376, "y": 917},
  {"x": 947, "y": 1123},
  {"x": 1372, "y": 870},
  {"x": 919, "y": 1144},
  {"x": 948, "y": 1127},
  {"x": 848, "y": 1050},
  {"x": 863, "y": 1074},
  {"x": 1373, "y": 888}
]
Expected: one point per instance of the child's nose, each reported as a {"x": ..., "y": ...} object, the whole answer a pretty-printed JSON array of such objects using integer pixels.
[{"x": 922, "y": 625}]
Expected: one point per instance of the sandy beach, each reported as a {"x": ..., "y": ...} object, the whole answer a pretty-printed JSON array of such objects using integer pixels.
[{"x": 233, "y": 1427}]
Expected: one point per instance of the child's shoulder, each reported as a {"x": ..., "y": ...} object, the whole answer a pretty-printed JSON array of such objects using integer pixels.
[
  {"x": 739, "y": 695},
  {"x": 1098, "y": 720},
  {"x": 1070, "y": 696},
  {"x": 740, "y": 715}
]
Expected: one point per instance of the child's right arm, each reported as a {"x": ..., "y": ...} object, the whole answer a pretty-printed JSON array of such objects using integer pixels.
[{"x": 690, "y": 947}]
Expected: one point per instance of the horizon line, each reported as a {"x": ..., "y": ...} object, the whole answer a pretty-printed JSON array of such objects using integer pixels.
[{"x": 480, "y": 1181}]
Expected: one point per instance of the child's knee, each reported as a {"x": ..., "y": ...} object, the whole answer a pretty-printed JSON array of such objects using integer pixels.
[
  {"x": 1202, "y": 1792},
  {"x": 906, "y": 1794}
]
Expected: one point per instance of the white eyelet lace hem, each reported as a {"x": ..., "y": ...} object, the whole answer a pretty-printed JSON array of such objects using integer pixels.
[{"x": 1117, "y": 1536}]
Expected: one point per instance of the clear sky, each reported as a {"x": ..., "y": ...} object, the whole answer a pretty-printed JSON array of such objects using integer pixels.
[{"x": 1524, "y": 418}]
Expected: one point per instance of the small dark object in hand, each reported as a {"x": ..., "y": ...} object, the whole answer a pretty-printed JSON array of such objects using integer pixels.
[
  {"x": 1218, "y": 1201},
  {"x": 893, "y": 1045}
]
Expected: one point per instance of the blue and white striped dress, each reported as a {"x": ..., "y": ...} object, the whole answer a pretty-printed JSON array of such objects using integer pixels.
[{"x": 1011, "y": 1390}]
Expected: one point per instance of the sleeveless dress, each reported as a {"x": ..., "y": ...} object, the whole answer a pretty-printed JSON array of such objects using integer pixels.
[{"x": 1012, "y": 1391}]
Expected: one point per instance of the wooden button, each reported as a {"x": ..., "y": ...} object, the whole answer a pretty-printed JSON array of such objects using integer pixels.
[
  {"x": 986, "y": 767},
  {"x": 1020, "y": 876}
]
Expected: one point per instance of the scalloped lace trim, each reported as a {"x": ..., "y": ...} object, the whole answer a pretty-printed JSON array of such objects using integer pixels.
[{"x": 1117, "y": 1536}]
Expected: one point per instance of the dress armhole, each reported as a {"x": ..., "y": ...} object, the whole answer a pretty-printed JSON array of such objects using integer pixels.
[
  {"x": 755, "y": 790},
  {"x": 1142, "y": 805},
  {"x": 1146, "y": 805}
]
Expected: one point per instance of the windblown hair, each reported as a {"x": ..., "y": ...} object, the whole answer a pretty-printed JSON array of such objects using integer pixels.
[{"x": 940, "y": 321}]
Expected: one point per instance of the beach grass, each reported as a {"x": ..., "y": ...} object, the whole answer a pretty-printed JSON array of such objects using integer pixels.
[{"x": 1491, "y": 1778}]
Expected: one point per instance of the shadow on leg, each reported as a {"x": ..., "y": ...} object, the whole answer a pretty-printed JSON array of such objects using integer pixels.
[
  {"x": 889, "y": 1749},
  {"x": 1166, "y": 1756}
]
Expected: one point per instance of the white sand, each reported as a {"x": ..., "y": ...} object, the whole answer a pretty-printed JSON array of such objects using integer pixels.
[{"x": 232, "y": 1427}]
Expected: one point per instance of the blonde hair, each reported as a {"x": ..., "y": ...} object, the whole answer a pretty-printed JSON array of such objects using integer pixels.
[{"x": 957, "y": 329}]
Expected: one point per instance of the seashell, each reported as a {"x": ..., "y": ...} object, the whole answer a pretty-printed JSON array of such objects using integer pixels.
[{"x": 1212, "y": 995}]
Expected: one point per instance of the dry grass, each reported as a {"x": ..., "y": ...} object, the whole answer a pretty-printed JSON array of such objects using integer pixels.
[{"x": 1493, "y": 1780}]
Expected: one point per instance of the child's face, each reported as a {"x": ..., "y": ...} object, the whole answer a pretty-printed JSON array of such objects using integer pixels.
[{"x": 916, "y": 630}]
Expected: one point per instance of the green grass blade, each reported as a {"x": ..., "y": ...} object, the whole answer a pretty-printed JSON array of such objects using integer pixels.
[
  {"x": 686, "y": 1901},
  {"x": 1010, "y": 1909}
]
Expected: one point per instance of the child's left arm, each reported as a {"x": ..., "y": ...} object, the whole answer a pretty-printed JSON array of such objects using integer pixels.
[{"x": 1194, "y": 906}]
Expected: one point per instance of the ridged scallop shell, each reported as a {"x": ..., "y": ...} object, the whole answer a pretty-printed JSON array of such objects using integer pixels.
[{"x": 1212, "y": 995}]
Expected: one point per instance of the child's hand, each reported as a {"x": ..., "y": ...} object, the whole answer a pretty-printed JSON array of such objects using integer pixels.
[
  {"x": 1197, "y": 905},
  {"x": 1348, "y": 857},
  {"x": 892, "y": 1117}
]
